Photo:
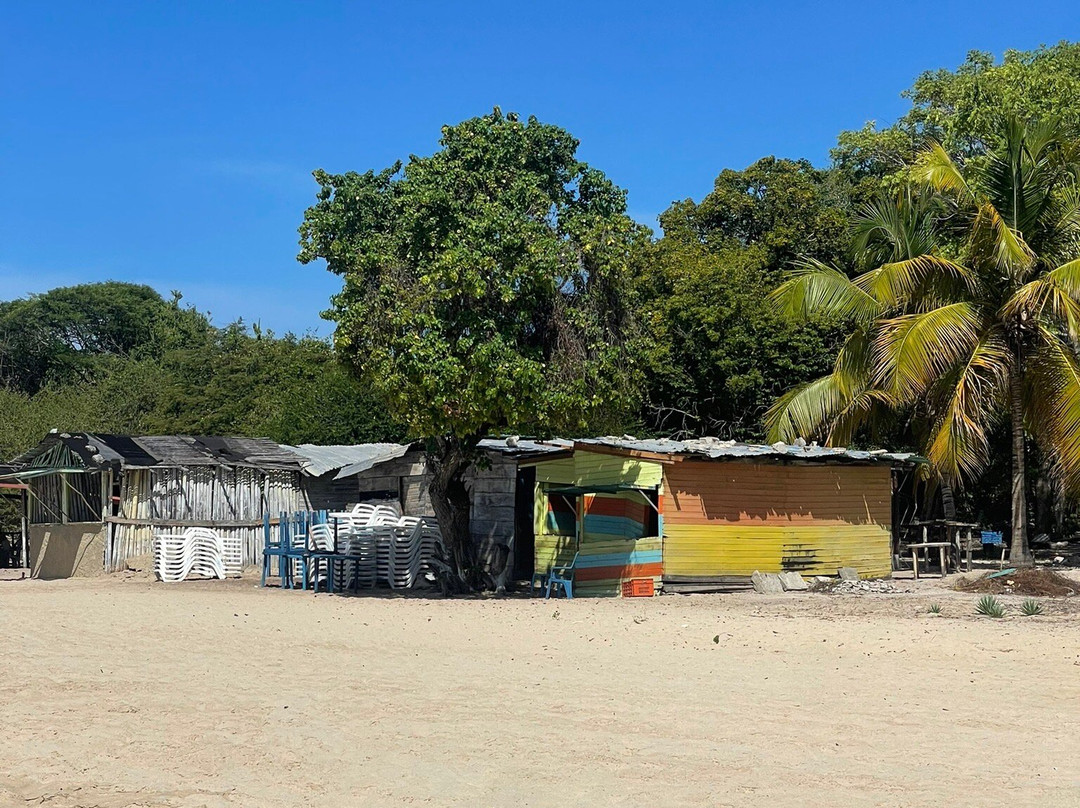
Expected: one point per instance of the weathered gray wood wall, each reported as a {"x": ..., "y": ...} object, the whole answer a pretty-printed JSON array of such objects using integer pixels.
[{"x": 406, "y": 479}]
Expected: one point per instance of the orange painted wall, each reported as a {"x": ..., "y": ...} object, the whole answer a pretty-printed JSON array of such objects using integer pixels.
[{"x": 704, "y": 493}]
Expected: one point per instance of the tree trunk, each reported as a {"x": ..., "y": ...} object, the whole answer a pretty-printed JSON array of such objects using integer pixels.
[
  {"x": 448, "y": 461},
  {"x": 1019, "y": 552}
]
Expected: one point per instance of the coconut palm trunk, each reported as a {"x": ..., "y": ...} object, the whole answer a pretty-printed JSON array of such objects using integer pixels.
[{"x": 1019, "y": 550}]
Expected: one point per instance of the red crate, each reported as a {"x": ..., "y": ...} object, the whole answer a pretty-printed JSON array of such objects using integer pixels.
[{"x": 638, "y": 588}]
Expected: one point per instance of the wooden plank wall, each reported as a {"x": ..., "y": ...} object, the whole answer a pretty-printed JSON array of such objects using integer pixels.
[
  {"x": 199, "y": 495},
  {"x": 725, "y": 519},
  {"x": 406, "y": 479}
]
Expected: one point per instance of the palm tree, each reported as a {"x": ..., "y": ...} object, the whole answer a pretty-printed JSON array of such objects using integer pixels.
[{"x": 971, "y": 331}]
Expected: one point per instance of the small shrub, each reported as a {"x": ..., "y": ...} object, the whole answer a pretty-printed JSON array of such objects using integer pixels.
[
  {"x": 935, "y": 608},
  {"x": 990, "y": 606},
  {"x": 1031, "y": 607}
]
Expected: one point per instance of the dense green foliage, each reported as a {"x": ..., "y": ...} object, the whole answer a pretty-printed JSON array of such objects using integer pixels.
[
  {"x": 115, "y": 357},
  {"x": 720, "y": 353},
  {"x": 962, "y": 109},
  {"x": 485, "y": 285},
  {"x": 498, "y": 285}
]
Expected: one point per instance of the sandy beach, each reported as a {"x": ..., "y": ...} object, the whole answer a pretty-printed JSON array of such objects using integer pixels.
[{"x": 125, "y": 692}]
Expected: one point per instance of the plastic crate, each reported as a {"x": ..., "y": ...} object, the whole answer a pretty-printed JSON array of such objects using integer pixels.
[{"x": 638, "y": 588}]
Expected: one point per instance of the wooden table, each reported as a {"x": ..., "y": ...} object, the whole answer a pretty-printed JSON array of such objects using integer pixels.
[
  {"x": 960, "y": 531},
  {"x": 943, "y": 548}
]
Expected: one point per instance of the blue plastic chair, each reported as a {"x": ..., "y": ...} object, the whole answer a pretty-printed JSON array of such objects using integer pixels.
[
  {"x": 273, "y": 549},
  {"x": 562, "y": 576},
  {"x": 993, "y": 538},
  {"x": 294, "y": 530}
]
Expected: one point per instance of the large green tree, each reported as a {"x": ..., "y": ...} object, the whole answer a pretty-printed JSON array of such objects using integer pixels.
[
  {"x": 485, "y": 289},
  {"x": 58, "y": 335},
  {"x": 970, "y": 335}
]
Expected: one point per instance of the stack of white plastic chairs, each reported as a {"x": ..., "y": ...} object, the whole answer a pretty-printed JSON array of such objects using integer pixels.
[
  {"x": 197, "y": 552},
  {"x": 391, "y": 547},
  {"x": 412, "y": 545}
]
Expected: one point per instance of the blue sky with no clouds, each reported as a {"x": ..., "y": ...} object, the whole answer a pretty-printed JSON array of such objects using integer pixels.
[{"x": 172, "y": 144}]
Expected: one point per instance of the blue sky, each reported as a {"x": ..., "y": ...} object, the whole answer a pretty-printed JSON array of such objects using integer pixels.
[{"x": 172, "y": 143}]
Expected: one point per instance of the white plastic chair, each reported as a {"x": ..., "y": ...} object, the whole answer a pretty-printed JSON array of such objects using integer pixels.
[{"x": 197, "y": 551}]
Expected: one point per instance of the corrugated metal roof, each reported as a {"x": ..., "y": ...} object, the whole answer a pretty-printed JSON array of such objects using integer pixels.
[
  {"x": 715, "y": 448},
  {"x": 100, "y": 451},
  {"x": 352, "y": 459},
  {"x": 519, "y": 446}
]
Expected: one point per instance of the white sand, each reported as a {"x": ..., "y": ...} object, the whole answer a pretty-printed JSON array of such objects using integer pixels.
[{"x": 119, "y": 692}]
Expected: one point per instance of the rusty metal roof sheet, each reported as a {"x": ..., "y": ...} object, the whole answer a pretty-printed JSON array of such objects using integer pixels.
[{"x": 714, "y": 448}]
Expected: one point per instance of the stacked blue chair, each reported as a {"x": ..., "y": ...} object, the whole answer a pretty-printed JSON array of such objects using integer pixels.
[{"x": 273, "y": 548}]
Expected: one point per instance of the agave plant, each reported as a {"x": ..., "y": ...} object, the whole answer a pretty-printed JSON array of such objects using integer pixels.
[
  {"x": 934, "y": 608},
  {"x": 1031, "y": 608},
  {"x": 990, "y": 606},
  {"x": 971, "y": 337}
]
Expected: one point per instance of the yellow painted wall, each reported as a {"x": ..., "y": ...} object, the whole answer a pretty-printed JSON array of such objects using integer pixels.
[
  {"x": 704, "y": 551},
  {"x": 597, "y": 468}
]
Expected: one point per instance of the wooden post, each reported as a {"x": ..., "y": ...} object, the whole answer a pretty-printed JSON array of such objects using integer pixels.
[
  {"x": 968, "y": 554},
  {"x": 944, "y": 569},
  {"x": 106, "y": 502},
  {"x": 915, "y": 562},
  {"x": 24, "y": 524},
  {"x": 65, "y": 498}
]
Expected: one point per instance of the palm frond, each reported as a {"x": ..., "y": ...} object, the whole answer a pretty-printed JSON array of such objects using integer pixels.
[
  {"x": 959, "y": 446},
  {"x": 914, "y": 350},
  {"x": 806, "y": 411},
  {"x": 1061, "y": 233},
  {"x": 888, "y": 230},
  {"x": 935, "y": 168},
  {"x": 816, "y": 288},
  {"x": 1052, "y": 404},
  {"x": 903, "y": 282},
  {"x": 867, "y": 407},
  {"x": 992, "y": 237},
  {"x": 1057, "y": 294},
  {"x": 854, "y": 363}
]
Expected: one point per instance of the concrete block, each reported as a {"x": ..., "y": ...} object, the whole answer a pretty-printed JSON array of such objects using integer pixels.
[
  {"x": 848, "y": 574},
  {"x": 793, "y": 582},
  {"x": 766, "y": 583}
]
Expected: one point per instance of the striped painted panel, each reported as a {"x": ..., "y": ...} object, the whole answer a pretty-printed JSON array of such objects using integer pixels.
[
  {"x": 615, "y": 515},
  {"x": 561, "y": 518},
  {"x": 604, "y": 564},
  {"x": 712, "y": 551}
]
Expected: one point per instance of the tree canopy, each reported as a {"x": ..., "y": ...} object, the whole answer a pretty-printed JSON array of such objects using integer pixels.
[
  {"x": 115, "y": 357},
  {"x": 486, "y": 287}
]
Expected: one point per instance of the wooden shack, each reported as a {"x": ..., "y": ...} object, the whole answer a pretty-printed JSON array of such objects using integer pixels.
[
  {"x": 336, "y": 477},
  {"x": 722, "y": 510},
  {"x": 95, "y": 501}
]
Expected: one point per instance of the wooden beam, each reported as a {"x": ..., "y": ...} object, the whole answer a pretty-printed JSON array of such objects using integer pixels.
[
  {"x": 652, "y": 457},
  {"x": 120, "y": 520}
]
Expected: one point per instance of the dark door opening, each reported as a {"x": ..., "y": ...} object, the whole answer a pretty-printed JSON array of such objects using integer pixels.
[{"x": 524, "y": 540}]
